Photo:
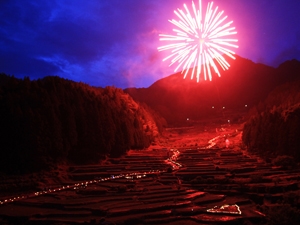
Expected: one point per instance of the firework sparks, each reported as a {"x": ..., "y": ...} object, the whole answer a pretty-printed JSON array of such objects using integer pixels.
[{"x": 200, "y": 42}]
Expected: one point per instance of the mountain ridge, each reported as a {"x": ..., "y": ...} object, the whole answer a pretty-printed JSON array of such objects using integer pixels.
[{"x": 245, "y": 83}]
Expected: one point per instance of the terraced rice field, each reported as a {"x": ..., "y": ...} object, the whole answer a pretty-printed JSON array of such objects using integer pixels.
[{"x": 142, "y": 188}]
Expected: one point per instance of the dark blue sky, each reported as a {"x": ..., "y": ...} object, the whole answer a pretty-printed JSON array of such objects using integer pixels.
[{"x": 114, "y": 42}]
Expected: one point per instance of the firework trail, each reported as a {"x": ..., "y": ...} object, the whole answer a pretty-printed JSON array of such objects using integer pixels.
[{"x": 200, "y": 41}]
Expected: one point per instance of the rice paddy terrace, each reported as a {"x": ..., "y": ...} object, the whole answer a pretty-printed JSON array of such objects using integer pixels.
[{"x": 143, "y": 187}]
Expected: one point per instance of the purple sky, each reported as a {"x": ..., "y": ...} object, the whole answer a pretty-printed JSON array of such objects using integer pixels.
[{"x": 114, "y": 42}]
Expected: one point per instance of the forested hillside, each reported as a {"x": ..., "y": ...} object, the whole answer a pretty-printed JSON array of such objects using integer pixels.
[
  {"x": 54, "y": 119},
  {"x": 274, "y": 125}
]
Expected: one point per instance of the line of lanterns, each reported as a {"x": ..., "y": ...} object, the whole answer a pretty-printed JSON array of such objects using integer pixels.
[{"x": 171, "y": 160}]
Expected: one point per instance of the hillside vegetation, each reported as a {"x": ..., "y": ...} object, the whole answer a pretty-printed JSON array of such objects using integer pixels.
[
  {"x": 273, "y": 127},
  {"x": 54, "y": 119}
]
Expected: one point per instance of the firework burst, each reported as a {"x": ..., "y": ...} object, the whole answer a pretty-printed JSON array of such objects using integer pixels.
[{"x": 200, "y": 41}]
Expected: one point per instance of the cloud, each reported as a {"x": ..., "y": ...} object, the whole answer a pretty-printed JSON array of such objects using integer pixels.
[
  {"x": 114, "y": 42},
  {"x": 79, "y": 41},
  {"x": 287, "y": 54},
  {"x": 22, "y": 65}
]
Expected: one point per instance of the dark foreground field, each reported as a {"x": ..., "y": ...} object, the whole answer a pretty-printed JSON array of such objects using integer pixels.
[{"x": 144, "y": 187}]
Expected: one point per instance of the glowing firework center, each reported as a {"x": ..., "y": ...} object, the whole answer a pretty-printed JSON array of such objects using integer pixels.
[{"x": 200, "y": 41}]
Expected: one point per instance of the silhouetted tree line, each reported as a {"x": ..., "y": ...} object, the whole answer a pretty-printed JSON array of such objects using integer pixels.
[
  {"x": 51, "y": 119},
  {"x": 273, "y": 127}
]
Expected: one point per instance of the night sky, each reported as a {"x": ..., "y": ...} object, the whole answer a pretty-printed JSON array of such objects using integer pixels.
[{"x": 114, "y": 42}]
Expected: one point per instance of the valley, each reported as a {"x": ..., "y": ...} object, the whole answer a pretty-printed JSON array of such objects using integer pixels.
[{"x": 144, "y": 187}]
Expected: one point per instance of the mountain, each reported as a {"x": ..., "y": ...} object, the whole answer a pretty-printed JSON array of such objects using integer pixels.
[{"x": 245, "y": 83}]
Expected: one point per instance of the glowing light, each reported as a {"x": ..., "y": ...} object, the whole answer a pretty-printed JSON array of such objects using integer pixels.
[
  {"x": 200, "y": 41},
  {"x": 77, "y": 186},
  {"x": 230, "y": 209}
]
